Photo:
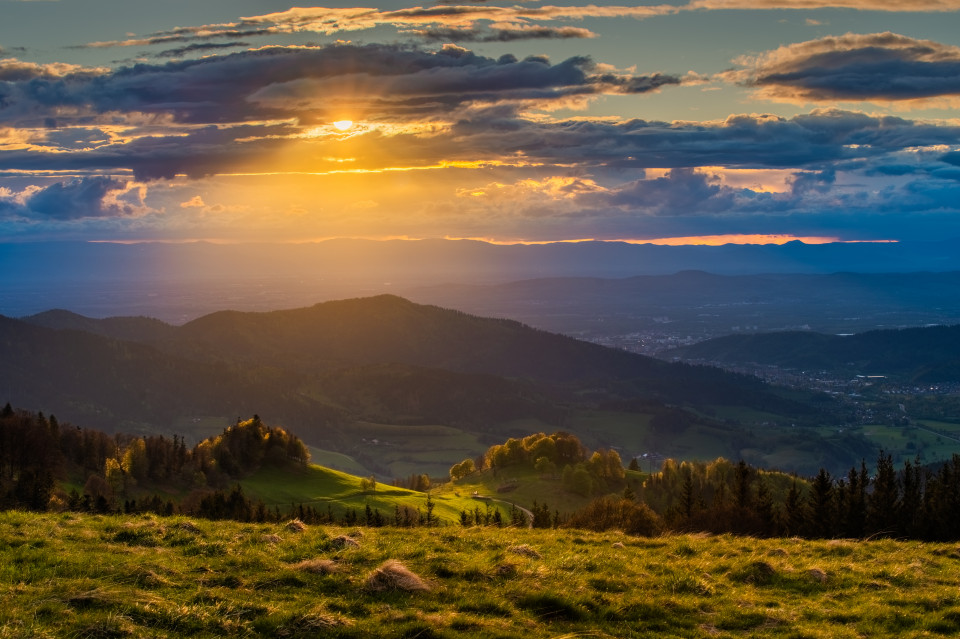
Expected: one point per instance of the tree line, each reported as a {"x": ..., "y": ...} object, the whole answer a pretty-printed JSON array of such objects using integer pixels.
[{"x": 37, "y": 452}]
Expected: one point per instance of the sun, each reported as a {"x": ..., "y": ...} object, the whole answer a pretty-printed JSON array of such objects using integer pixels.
[{"x": 342, "y": 125}]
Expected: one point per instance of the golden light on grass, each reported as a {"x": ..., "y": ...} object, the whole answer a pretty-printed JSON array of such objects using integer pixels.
[{"x": 343, "y": 125}]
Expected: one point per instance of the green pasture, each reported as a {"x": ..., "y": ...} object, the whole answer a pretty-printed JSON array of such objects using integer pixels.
[{"x": 322, "y": 487}]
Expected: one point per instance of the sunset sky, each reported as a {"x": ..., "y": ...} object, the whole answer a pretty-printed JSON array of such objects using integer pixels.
[{"x": 240, "y": 120}]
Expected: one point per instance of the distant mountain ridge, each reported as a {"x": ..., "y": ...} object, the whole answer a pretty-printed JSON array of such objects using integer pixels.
[
  {"x": 318, "y": 369},
  {"x": 926, "y": 355},
  {"x": 179, "y": 282}
]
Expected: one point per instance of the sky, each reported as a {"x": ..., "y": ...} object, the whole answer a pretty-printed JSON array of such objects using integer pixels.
[{"x": 700, "y": 121}]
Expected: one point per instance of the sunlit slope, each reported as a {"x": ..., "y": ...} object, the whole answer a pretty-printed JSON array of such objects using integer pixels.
[{"x": 320, "y": 487}]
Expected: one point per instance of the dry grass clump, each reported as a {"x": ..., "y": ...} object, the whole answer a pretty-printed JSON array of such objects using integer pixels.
[
  {"x": 758, "y": 573},
  {"x": 818, "y": 575},
  {"x": 393, "y": 575},
  {"x": 525, "y": 550},
  {"x": 272, "y": 539},
  {"x": 189, "y": 526},
  {"x": 318, "y": 566},
  {"x": 296, "y": 525},
  {"x": 342, "y": 541},
  {"x": 311, "y": 623}
]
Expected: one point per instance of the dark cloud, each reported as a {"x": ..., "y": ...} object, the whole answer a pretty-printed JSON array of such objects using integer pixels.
[
  {"x": 452, "y": 34},
  {"x": 812, "y": 181},
  {"x": 879, "y": 66},
  {"x": 198, "y": 48},
  {"x": 746, "y": 141},
  {"x": 681, "y": 192},
  {"x": 281, "y": 82},
  {"x": 82, "y": 198}
]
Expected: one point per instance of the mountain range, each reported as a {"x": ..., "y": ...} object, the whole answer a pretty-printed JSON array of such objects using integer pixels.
[{"x": 180, "y": 282}]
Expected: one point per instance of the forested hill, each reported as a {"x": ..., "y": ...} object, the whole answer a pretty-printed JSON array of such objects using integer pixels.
[
  {"x": 322, "y": 369},
  {"x": 926, "y": 355},
  {"x": 386, "y": 329}
]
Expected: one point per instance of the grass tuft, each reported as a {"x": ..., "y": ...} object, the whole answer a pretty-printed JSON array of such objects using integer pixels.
[
  {"x": 525, "y": 550},
  {"x": 392, "y": 575},
  {"x": 757, "y": 573},
  {"x": 296, "y": 526},
  {"x": 317, "y": 566},
  {"x": 343, "y": 541}
]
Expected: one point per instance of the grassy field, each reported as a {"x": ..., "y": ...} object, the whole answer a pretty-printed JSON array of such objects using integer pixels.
[
  {"x": 71, "y": 575},
  {"x": 317, "y": 487},
  {"x": 923, "y": 440},
  {"x": 522, "y": 485},
  {"x": 407, "y": 450}
]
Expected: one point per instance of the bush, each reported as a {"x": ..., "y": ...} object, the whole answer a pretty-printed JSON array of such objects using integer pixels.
[{"x": 617, "y": 513}]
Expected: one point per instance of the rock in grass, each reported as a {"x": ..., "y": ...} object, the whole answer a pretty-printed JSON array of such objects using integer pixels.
[{"x": 394, "y": 576}]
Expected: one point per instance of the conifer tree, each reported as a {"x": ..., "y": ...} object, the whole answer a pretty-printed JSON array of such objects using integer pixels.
[{"x": 822, "y": 513}]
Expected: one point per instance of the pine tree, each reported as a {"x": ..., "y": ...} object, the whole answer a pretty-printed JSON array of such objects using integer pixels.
[
  {"x": 795, "y": 515},
  {"x": 822, "y": 515},
  {"x": 883, "y": 503}
]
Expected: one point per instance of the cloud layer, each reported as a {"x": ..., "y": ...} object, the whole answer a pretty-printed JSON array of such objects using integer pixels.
[
  {"x": 207, "y": 131},
  {"x": 854, "y": 67}
]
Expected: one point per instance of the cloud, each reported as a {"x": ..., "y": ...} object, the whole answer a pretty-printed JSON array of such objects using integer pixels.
[
  {"x": 303, "y": 82},
  {"x": 506, "y": 23},
  {"x": 14, "y": 70},
  {"x": 747, "y": 141},
  {"x": 196, "y": 202},
  {"x": 500, "y": 23},
  {"x": 507, "y": 34},
  {"x": 681, "y": 191},
  {"x": 92, "y": 197},
  {"x": 860, "y": 5},
  {"x": 873, "y": 67},
  {"x": 199, "y": 47}
]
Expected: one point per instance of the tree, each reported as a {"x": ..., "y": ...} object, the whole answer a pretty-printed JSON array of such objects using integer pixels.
[
  {"x": 135, "y": 461},
  {"x": 462, "y": 469},
  {"x": 883, "y": 503},
  {"x": 822, "y": 523},
  {"x": 795, "y": 517}
]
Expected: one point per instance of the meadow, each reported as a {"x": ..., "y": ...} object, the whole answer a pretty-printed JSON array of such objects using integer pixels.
[{"x": 77, "y": 575}]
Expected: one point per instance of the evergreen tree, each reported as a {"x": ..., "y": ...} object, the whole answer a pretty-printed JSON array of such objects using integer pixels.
[
  {"x": 795, "y": 511},
  {"x": 883, "y": 502},
  {"x": 822, "y": 513}
]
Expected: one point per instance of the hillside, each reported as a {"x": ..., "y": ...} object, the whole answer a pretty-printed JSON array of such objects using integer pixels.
[
  {"x": 924, "y": 355},
  {"x": 108, "y": 576},
  {"x": 324, "y": 369}
]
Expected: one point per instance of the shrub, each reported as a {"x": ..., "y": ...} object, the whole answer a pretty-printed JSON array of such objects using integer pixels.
[{"x": 616, "y": 513}]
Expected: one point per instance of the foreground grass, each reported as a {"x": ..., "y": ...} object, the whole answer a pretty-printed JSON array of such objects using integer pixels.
[{"x": 109, "y": 576}]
